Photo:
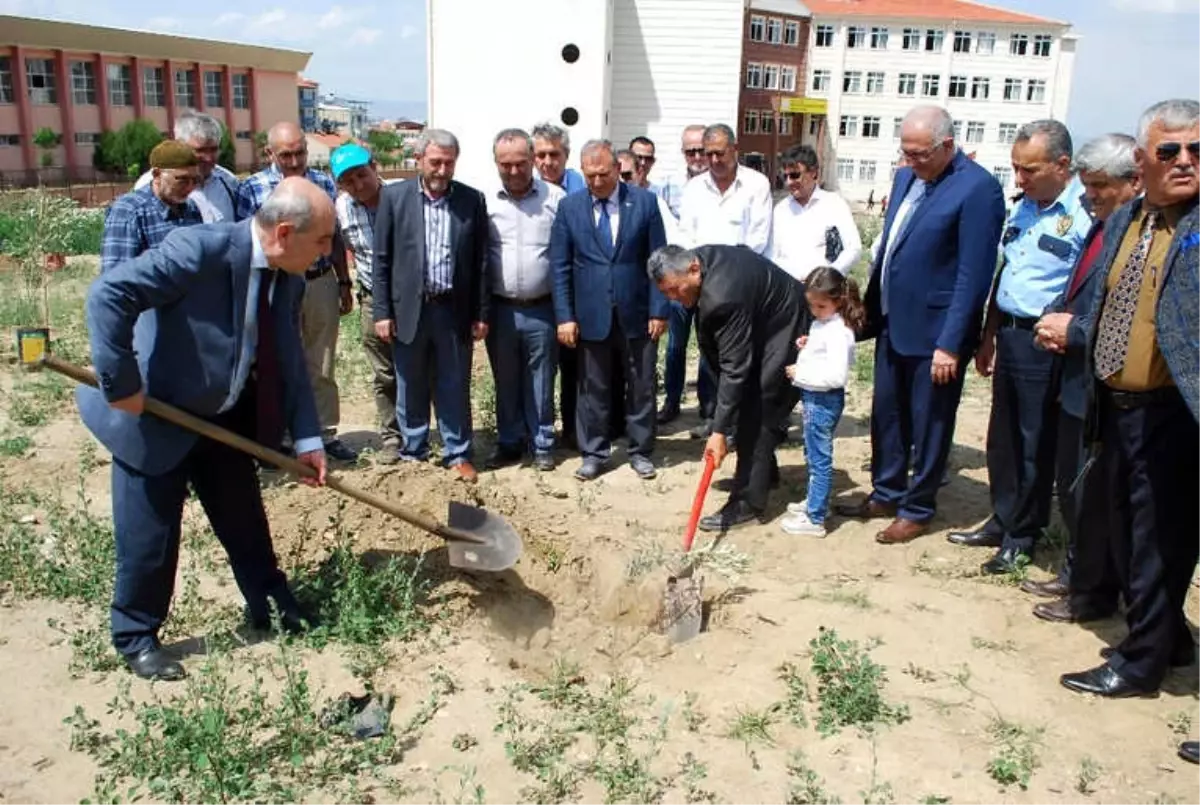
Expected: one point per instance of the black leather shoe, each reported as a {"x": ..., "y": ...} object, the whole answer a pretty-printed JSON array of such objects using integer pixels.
[
  {"x": 292, "y": 620},
  {"x": 1061, "y": 611},
  {"x": 503, "y": 457},
  {"x": 734, "y": 515},
  {"x": 643, "y": 466},
  {"x": 668, "y": 414},
  {"x": 1190, "y": 751},
  {"x": 1006, "y": 560},
  {"x": 544, "y": 462},
  {"x": 1045, "y": 589},
  {"x": 590, "y": 469},
  {"x": 975, "y": 539},
  {"x": 1103, "y": 681},
  {"x": 338, "y": 451},
  {"x": 1184, "y": 657},
  {"x": 155, "y": 663},
  {"x": 702, "y": 431}
]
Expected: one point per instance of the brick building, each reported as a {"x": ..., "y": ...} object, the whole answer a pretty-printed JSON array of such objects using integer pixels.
[{"x": 81, "y": 80}]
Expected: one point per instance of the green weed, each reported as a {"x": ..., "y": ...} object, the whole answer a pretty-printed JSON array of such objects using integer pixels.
[
  {"x": 806, "y": 787},
  {"x": 15, "y": 446},
  {"x": 849, "y": 686},
  {"x": 1014, "y": 757},
  {"x": 753, "y": 726},
  {"x": 796, "y": 703},
  {"x": 1089, "y": 773},
  {"x": 692, "y": 774}
]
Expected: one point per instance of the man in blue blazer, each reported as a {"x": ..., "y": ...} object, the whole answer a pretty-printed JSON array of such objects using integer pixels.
[
  {"x": 606, "y": 306},
  {"x": 207, "y": 322},
  {"x": 924, "y": 304}
]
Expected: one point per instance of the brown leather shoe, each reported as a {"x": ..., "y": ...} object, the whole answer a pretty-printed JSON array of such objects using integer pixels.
[
  {"x": 1045, "y": 589},
  {"x": 1061, "y": 611},
  {"x": 901, "y": 531},
  {"x": 867, "y": 509},
  {"x": 466, "y": 472}
]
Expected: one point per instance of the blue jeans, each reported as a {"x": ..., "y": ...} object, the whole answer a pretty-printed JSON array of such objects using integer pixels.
[
  {"x": 679, "y": 329},
  {"x": 522, "y": 346},
  {"x": 437, "y": 360},
  {"x": 822, "y": 410}
]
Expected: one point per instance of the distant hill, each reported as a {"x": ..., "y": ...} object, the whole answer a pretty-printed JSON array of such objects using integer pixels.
[{"x": 391, "y": 110}]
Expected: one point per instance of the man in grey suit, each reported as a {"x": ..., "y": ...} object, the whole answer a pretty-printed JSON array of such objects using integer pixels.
[{"x": 431, "y": 298}]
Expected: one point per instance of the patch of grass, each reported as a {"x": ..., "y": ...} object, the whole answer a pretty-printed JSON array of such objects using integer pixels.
[
  {"x": 918, "y": 673},
  {"x": 934, "y": 799},
  {"x": 806, "y": 786},
  {"x": 464, "y": 741},
  {"x": 849, "y": 686},
  {"x": 15, "y": 446},
  {"x": 693, "y": 719},
  {"x": 469, "y": 791},
  {"x": 753, "y": 726},
  {"x": 692, "y": 774},
  {"x": 1015, "y": 753},
  {"x": 863, "y": 371},
  {"x": 1007, "y": 646},
  {"x": 91, "y": 651},
  {"x": 796, "y": 703},
  {"x": 1180, "y": 722},
  {"x": 1089, "y": 774}
]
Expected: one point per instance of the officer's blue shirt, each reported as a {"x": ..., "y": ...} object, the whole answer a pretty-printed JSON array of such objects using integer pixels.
[{"x": 1041, "y": 246}]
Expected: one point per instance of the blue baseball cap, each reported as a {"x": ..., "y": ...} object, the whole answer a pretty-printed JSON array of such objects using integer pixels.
[{"x": 345, "y": 157}]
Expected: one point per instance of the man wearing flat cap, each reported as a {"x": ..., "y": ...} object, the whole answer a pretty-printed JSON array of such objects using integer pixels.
[{"x": 139, "y": 220}]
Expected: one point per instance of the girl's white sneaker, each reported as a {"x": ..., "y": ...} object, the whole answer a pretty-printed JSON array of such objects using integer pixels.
[{"x": 799, "y": 525}]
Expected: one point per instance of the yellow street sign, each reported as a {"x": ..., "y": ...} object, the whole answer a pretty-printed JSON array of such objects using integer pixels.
[{"x": 804, "y": 106}]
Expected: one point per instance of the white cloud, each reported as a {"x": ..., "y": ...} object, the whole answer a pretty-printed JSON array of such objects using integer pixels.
[
  {"x": 229, "y": 17},
  {"x": 269, "y": 18},
  {"x": 364, "y": 36},
  {"x": 408, "y": 32},
  {"x": 333, "y": 18},
  {"x": 163, "y": 23},
  {"x": 1156, "y": 6}
]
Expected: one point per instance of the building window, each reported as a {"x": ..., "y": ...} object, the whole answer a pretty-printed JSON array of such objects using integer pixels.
[
  {"x": 39, "y": 74},
  {"x": 866, "y": 171},
  {"x": 1018, "y": 44},
  {"x": 785, "y": 124},
  {"x": 185, "y": 87},
  {"x": 758, "y": 27},
  {"x": 958, "y": 86},
  {"x": 912, "y": 39},
  {"x": 241, "y": 91},
  {"x": 120, "y": 91},
  {"x": 825, "y": 36},
  {"x": 821, "y": 80},
  {"x": 907, "y": 86},
  {"x": 1007, "y": 133},
  {"x": 962, "y": 41},
  {"x": 848, "y": 127},
  {"x": 12, "y": 140},
  {"x": 91, "y": 138},
  {"x": 791, "y": 33},
  {"x": 766, "y": 122},
  {"x": 750, "y": 124},
  {"x": 980, "y": 88},
  {"x": 957, "y": 131},
  {"x": 1041, "y": 45},
  {"x": 930, "y": 85},
  {"x": 985, "y": 44},
  {"x": 6, "y": 82},
  {"x": 814, "y": 124},
  {"x": 874, "y": 83},
  {"x": 852, "y": 82},
  {"x": 153, "y": 90},
  {"x": 845, "y": 169},
  {"x": 870, "y": 127},
  {"x": 214, "y": 93},
  {"x": 856, "y": 37},
  {"x": 754, "y": 76},
  {"x": 775, "y": 31},
  {"x": 1035, "y": 92},
  {"x": 83, "y": 83},
  {"x": 770, "y": 76},
  {"x": 787, "y": 79},
  {"x": 879, "y": 38},
  {"x": 933, "y": 40},
  {"x": 1012, "y": 89},
  {"x": 975, "y": 131},
  {"x": 1003, "y": 175},
  {"x": 897, "y": 123},
  {"x": 244, "y": 134}
]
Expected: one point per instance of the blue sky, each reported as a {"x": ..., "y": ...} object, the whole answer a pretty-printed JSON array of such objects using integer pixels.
[{"x": 1132, "y": 52}]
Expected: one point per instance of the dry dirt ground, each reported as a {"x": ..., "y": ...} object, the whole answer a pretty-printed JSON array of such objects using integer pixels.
[{"x": 706, "y": 720}]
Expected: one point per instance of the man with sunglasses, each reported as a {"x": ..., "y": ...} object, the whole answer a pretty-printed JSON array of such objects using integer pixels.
[
  {"x": 812, "y": 227},
  {"x": 215, "y": 193},
  {"x": 141, "y": 219},
  {"x": 1145, "y": 361}
]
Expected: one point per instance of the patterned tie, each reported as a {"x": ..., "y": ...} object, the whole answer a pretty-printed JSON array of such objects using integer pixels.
[
  {"x": 268, "y": 393},
  {"x": 604, "y": 227},
  {"x": 1112, "y": 342}
]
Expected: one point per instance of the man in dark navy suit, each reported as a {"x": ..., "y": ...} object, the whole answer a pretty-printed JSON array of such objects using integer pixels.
[
  {"x": 207, "y": 322},
  {"x": 607, "y": 307},
  {"x": 925, "y": 303}
]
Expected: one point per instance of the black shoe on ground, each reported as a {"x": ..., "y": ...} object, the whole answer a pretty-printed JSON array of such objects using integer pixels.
[
  {"x": 591, "y": 469},
  {"x": 733, "y": 515},
  {"x": 544, "y": 462},
  {"x": 975, "y": 539},
  {"x": 503, "y": 457},
  {"x": 1102, "y": 681},
  {"x": 1190, "y": 751},
  {"x": 338, "y": 451},
  {"x": 155, "y": 663},
  {"x": 1006, "y": 560},
  {"x": 668, "y": 414},
  {"x": 701, "y": 431},
  {"x": 643, "y": 466}
]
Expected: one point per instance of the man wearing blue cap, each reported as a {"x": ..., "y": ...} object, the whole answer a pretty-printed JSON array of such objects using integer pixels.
[{"x": 359, "y": 186}]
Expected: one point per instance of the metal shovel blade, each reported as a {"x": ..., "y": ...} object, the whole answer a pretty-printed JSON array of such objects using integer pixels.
[
  {"x": 499, "y": 544},
  {"x": 683, "y": 607}
]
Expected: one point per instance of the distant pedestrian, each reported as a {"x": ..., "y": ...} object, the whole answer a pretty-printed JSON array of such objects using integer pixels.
[{"x": 871, "y": 202}]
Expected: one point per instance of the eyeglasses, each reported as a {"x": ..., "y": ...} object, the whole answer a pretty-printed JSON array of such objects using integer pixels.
[
  {"x": 693, "y": 152},
  {"x": 1169, "y": 152},
  {"x": 647, "y": 158},
  {"x": 794, "y": 175},
  {"x": 919, "y": 156},
  {"x": 303, "y": 152},
  {"x": 627, "y": 175}
]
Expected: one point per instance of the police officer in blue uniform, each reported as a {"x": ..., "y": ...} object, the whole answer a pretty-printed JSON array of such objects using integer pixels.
[{"x": 1042, "y": 239}]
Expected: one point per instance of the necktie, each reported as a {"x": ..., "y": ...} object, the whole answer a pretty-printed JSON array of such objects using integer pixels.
[
  {"x": 268, "y": 393},
  {"x": 1112, "y": 341},
  {"x": 604, "y": 227},
  {"x": 1085, "y": 263}
]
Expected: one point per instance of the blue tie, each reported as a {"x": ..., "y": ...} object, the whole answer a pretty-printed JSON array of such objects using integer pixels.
[{"x": 604, "y": 227}]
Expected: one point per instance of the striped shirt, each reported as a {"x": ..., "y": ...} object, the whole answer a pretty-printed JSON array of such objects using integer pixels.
[
  {"x": 439, "y": 264},
  {"x": 357, "y": 224},
  {"x": 139, "y": 221},
  {"x": 254, "y": 190},
  {"x": 215, "y": 199}
]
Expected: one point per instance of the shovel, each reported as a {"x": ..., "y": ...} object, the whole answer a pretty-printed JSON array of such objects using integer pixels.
[
  {"x": 682, "y": 602},
  {"x": 475, "y": 538}
]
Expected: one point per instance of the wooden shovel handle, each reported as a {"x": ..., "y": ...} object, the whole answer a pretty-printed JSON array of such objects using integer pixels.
[{"x": 203, "y": 427}]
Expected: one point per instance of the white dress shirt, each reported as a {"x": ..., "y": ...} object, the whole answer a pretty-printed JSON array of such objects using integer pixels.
[
  {"x": 916, "y": 193},
  {"x": 741, "y": 216},
  {"x": 824, "y": 363},
  {"x": 214, "y": 199},
  {"x": 798, "y": 234},
  {"x": 519, "y": 240}
]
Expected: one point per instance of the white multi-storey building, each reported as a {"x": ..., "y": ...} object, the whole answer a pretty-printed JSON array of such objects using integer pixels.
[{"x": 873, "y": 60}]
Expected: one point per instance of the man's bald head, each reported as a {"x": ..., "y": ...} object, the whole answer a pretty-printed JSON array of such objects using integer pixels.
[
  {"x": 927, "y": 141},
  {"x": 287, "y": 148},
  {"x": 295, "y": 225}
]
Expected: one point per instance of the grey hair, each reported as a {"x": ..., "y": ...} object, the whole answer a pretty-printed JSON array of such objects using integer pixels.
[
  {"x": 1109, "y": 154},
  {"x": 669, "y": 260},
  {"x": 197, "y": 126},
  {"x": 935, "y": 118},
  {"x": 513, "y": 134},
  {"x": 1057, "y": 136},
  {"x": 553, "y": 133},
  {"x": 1173, "y": 115},
  {"x": 286, "y": 204},
  {"x": 592, "y": 146},
  {"x": 720, "y": 130},
  {"x": 439, "y": 137},
  {"x": 694, "y": 127}
]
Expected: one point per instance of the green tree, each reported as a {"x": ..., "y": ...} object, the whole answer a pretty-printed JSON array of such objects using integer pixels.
[
  {"x": 384, "y": 142},
  {"x": 127, "y": 150},
  {"x": 260, "y": 145},
  {"x": 227, "y": 155},
  {"x": 45, "y": 139}
]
